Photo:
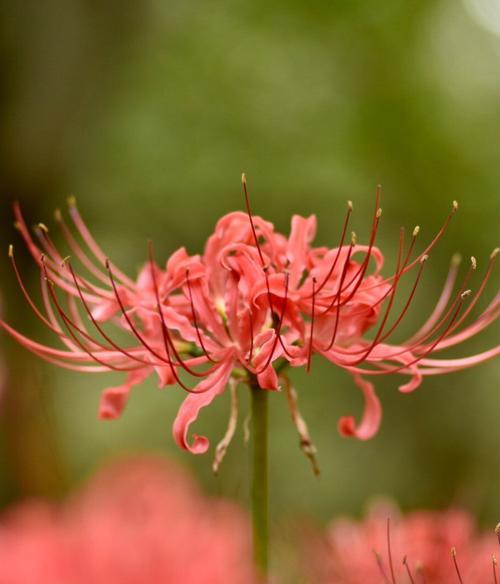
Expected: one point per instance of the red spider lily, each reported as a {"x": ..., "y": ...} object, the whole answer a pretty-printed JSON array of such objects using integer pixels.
[
  {"x": 139, "y": 520},
  {"x": 413, "y": 549},
  {"x": 252, "y": 303}
]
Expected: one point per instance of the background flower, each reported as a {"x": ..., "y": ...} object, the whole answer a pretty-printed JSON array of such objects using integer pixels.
[
  {"x": 420, "y": 546},
  {"x": 138, "y": 520}
]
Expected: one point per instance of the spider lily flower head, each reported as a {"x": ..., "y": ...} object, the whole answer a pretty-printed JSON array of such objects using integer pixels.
[
  {"x": 253, "y": 303},
  {"x": 138, "y": 520},
  {"x": 435, "y": 547}
]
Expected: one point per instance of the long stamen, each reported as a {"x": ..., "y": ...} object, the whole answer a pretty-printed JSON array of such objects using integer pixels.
[
  {"x": 26, "y": 295},
  {"x": 494, "y": 565},
  {"x": 419, "y": 338},
  {"x": 142, "y": 340},
  {"x": 444, "y": 297},
  {"x": 426, "y": 251},
  {"x": 36, "y": 254},
  {"x": 309, "y": 353},
  {"x": 339, "y": 249},
  {"x": 261, "y": 256},
  {"x": 42, "y": 233},
  {"x": 44, "y": 286},
  {"x": 91, "y": 243},
  {"x": 455, "y": 562},
  {"x": 480, "y": 289},
  {"x": 437, "y": 237},
  {"x": 167, "y": 339},
  {"x": 337, "y": 297},
  {"x": 252, "y": 225},
  {"x": 388, "y": 310},
  {"x": 97, "y": 325},
  {"x": 459, "y": 296},
  {"x": 195, "y": 319},
  {"x": 408, "y": 571},
  {"x": 429, "y": 349},
  {"x": 137, "y": 334},
  {"x": 360, "y": 274},
  {"x": 386, "y": 294},
  {"x": 77, "y": 249},
  {"x": 70, "y": 324},
  {"x": 407, "y": 304}
]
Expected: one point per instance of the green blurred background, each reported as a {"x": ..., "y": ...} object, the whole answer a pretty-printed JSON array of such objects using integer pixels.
[{"x": 149, "y": 110}]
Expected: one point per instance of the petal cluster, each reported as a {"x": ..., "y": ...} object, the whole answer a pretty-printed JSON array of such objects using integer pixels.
[
  {"x": 140, "y": 520},
  {"x": 435, "y": 547},
  {"x": 252, "y": 304}
]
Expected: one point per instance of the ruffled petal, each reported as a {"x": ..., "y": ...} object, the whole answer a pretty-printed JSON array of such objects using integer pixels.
[
  {"x": 114, "y": 399},
  {"x": 264, "y": 344},
  {"x": 302, "y": 234},
  {"x": 209, "y": 389},
  {"x": 372, "y": 414}
]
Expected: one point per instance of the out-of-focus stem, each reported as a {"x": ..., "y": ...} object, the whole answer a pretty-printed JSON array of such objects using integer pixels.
[{"x": 260, "y": 488}]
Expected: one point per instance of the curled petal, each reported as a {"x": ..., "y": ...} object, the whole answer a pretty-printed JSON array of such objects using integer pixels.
[
  {"x": 372, "y": 415},
  {"x": 114, "y": 399},
  {"x": 395, "y": 353},
  {"x": 208, "y": 390}
]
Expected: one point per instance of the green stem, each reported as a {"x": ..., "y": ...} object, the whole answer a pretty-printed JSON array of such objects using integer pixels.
[{"x": 260, "y": 495}]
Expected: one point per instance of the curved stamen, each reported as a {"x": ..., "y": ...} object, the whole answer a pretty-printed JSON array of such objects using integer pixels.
[
  {"x": 140, "y": 338},
  {"x": 262, "y": 261},
  {"x": 360, "y": 274},
  {"x": 390, "y": 304},
  {"x": 130, "y": 324},
  {"x": 336, "y": 296},
  {"x": 99, "y": 328},
  {"x": 406, "y": 366},
  {"x": 339, "y": 249},
  {"x": 444, "y": 298},
  {"x": 78, "y": 251},
  {"x": 92, "y": 244},
  {"x": 42, "y": 233},
  {"x": 337, "y": 312},
  {"x": 70, "y": 324},
  {"x": 480, "y": 289},
  {"x": 426, "y": 251},
  {"x": 167, "y": 339},
  {"x": 36, "y": 254},
  {"x": 416, "y": 340}
]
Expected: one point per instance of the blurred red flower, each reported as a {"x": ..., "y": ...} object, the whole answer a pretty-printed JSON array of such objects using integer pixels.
[
  {"x": 431, "y": 547},
  {"x": 137, "y": 521}
]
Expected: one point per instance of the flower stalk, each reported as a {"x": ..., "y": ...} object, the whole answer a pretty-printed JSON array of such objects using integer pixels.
[{"x": 260, "y": 471}]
